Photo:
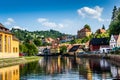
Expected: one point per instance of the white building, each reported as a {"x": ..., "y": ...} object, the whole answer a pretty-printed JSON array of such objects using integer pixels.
[{"x": 114, "y": 41}]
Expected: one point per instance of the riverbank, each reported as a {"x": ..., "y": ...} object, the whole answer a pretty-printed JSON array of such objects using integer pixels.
[
  {"x": 115, "y": 59},
  {"x": 21, "y": 60}
]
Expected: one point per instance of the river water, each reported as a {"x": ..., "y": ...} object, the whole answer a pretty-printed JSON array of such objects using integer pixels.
[{"x": 62, "y": 68}]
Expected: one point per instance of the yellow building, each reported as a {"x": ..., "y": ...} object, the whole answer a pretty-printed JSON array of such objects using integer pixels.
[
  {"x": 9, "y": 44},
  {"x": 10, "y": 73}
]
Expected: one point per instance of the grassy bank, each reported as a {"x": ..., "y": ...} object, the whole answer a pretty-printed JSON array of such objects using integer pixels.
[{"x": 20, "y": 60}]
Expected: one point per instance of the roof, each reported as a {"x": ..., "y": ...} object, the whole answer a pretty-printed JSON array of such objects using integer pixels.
[
  {"x": 115, "y": 37},
  {"x": 2, "y": 25},
  {"x": 102, "y": 30},
  {"x": 14, "y": 38},
  {"x": 99, "y": 41},
  {"x": 74, "y": 48},
  {"x": 3, "y": 29},
  {"x": 85, "y": 30}
]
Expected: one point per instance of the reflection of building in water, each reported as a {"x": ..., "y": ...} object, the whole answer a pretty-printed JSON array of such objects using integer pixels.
[
  {"x": 115, "y": 71},
  {"x": 89, "y": 72},
  {"x": 59, "y": 64},
  {"x": 9, "y": 73}
]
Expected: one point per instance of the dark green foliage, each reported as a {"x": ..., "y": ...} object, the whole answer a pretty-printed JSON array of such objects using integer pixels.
[
  {"x": 37, "y": 42},
  {"x": 103, "y": 27},
  {"x": 114, "y": 12},
  {"x": 87, "y": 26},
  {"x": 63, "y": 49},
  {"x": 114, "y": 27}
]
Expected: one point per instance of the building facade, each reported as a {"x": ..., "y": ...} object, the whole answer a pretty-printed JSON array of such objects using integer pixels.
[
  {"x": 114, "y": 41},
  {"x": 9, "y": 44},
  {"x": 96, "y": 43},
  {"x": 83, "y": 33}
]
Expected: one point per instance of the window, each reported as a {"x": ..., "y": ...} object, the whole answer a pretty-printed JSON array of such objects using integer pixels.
[
  {"x": 5, "y": 43},
  {"x": 0, "y": 42},
  {"x": 9, "y": 44},
  {"x": 16, "y": 50}
]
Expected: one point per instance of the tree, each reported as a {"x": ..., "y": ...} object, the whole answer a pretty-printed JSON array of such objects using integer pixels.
[
  {"x": 31, "y": 49},
  {"x": 87, "y": 26},
  {"x": 114, "y": 27},
  {"x": 37, "y": 42},
  {"x": 23, "y": 48},
  {"x": 63, "y": 49},
  {"x": 103, "y": 27},
  {"x": 114, "y": 12}
]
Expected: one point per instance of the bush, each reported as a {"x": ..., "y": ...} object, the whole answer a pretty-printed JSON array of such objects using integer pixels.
[{"x": 63, "y": 49}]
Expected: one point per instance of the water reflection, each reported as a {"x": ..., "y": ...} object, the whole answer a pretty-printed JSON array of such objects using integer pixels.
[
  {"x": 9, "y": 73},
  {"x": 62, "y": 68}
]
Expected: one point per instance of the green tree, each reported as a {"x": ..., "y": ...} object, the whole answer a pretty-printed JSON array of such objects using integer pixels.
[
  {"x": 114, "y": 27},
  {"x": 31, "y": 49},
  {"x": 114, "y": 12},
  {"x": 23, "y": 48},
  {"x": 103, "y": 27},
  {"x": 87, "y": 26},
  {"x": 37, "y": 42},
  {"x": 63, "y": 49}
]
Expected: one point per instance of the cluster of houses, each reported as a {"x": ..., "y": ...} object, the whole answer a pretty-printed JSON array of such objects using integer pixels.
[
  {"x": 102, "y": 45},
  {"x": 99, "y": 45}
]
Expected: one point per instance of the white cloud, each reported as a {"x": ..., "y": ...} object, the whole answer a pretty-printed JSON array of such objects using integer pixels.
[
  {"x": 95, "y": 12},
  {"x": 42, "y": 20},
  {"x": 9, "y": 21},
  {"x": 45, "y": 22}
]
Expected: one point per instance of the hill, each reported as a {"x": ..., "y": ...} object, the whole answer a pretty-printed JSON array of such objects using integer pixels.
[{"x": 24, "y": 34}]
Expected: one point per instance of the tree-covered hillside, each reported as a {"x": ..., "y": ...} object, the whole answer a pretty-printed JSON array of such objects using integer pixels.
[{"x": 24, "y": 34}]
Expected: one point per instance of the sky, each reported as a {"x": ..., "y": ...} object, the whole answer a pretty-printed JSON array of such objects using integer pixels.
[{"x": 66, "y": 16}]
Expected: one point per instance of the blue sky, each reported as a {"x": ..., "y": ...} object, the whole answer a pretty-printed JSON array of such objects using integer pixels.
[{"x": 67, "y": 16}]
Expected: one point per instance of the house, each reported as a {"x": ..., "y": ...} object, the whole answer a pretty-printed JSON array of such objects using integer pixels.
[
  {"x": 104, "y": 49},
  {"x": 48, "y": 40},
  {"x": 114, "y": 41},
  {"x": 9, "y": 44},
  {"x": 66, "y": 38},
  {"x": 95, "y": 43},
  {"x": 101, "y": 31},
  {"x": 75, "y": 49},
  {"x": 55, "y": 46},
  {"x": 83, "y": 33}
]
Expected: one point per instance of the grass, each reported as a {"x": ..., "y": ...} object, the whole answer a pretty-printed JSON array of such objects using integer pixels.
[{"x": 20, "y": 60}]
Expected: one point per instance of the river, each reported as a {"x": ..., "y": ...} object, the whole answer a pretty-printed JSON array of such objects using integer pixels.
[{"x": 62, "y": 68}]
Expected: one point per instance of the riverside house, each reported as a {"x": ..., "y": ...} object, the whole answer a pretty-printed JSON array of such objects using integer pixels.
[
  {"x": 96, "y": 43},
  {"x": 9, "y": 44},
  {"x": 114, "y": 41}
]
